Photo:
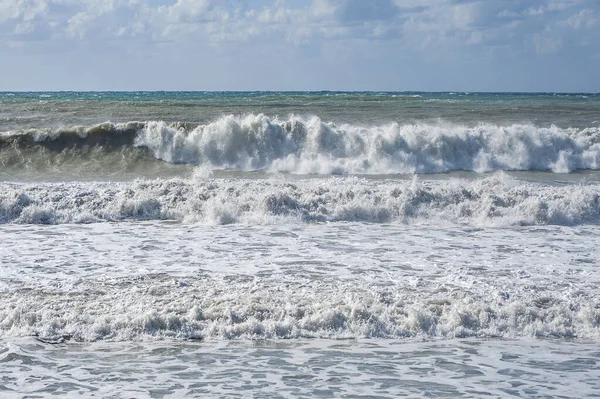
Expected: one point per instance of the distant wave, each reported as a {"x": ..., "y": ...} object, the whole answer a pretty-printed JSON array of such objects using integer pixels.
[
  {"x": 497, "y": 200},
  {"x": 312, "y": 146},
  {"x": 103, "y": 134}
]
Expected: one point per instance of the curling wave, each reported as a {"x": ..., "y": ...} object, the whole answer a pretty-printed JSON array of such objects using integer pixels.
[{"x": 312, "y": 146}]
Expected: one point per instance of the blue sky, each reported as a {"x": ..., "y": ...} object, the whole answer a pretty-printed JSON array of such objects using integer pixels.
[{"x": 431, "y": 45}]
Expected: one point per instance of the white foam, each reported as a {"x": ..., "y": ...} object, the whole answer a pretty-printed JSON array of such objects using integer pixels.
[
  {"x": 310, "y": 145},
  {"x": 492, "y": 201},
  {"x": 339, "y": 280}
]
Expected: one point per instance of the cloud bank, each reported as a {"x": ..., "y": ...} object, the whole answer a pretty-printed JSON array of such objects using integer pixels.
[{"x": 293, "y": 44}]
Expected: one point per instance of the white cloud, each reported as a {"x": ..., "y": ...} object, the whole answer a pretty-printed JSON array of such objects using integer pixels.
[
  {"x": 324, "y": 30},
  {"x": 584, "y": 19},
  {"x": 549, "y": 7},
  {"x": 420, "y": 24},
  {"x": 183, "y": 11},
  {"x": 24, "y": 28},
  {"x": 23, "y": 10}
]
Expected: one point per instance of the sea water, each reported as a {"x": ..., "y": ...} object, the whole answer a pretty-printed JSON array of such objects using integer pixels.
[{"x": 299, "y": 245}]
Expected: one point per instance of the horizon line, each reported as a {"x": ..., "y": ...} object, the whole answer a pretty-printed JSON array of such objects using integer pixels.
[{"x": 300, "y": 91}]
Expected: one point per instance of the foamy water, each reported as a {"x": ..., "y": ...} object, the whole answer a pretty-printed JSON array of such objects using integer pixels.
[
  {"x": 496, "y": 200},
  {"x": 343, "y": 280}
]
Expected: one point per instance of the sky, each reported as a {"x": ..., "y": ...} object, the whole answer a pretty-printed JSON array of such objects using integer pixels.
[{"x": 395, "y": 45}]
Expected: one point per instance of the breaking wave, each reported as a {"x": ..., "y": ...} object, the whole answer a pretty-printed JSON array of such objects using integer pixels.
[
  {"x": 311, "y": 146},
  {"x": 494, "y": 200},
  {"x": 210, "y": 308}
]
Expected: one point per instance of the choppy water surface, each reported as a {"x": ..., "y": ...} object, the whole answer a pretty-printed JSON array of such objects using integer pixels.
[{"x": 299, "y": 245}]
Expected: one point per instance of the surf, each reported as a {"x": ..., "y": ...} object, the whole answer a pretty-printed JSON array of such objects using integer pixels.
[
  {"x": 309, "y": 145},
  {"x": 497, "y": 200}
]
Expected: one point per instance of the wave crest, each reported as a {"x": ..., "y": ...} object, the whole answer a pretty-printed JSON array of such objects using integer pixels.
[{"x": 311, "y": 146}]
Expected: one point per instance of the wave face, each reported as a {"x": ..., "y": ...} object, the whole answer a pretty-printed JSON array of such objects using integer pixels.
[
  {"x": 105, "y": 134},
  {"x": 494, "y": 200},
  {"x": 311, "y": 146}
]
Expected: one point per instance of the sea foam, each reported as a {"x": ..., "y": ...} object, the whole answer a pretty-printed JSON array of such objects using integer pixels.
[
  {"x": 494, "y": 200},
  {"x": 309, "y": 145},
  {"x": 336, "y": 280},
  {"x": 216, "y": 309}
]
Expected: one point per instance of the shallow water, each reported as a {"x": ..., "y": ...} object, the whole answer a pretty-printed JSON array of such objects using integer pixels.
[{"x": 302, "y": 369}]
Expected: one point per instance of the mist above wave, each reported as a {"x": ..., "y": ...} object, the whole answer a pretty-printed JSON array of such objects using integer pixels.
[{"x": 311, "y": 146}]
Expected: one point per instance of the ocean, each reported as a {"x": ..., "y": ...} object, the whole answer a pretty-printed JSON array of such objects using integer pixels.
[{"x": 299, "y": 245}]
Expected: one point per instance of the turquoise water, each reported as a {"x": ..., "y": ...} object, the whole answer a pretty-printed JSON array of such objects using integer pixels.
[{"x": 61, "y": 109}]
